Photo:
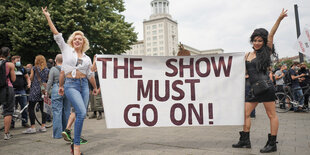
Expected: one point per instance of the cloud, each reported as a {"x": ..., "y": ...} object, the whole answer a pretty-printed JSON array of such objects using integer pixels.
[{"x": 207, "y": 24}]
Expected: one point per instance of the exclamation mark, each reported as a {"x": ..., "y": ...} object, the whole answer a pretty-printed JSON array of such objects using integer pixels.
[{"x": 210, "y": 106}]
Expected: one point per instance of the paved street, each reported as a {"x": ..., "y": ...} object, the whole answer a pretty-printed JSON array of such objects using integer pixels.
[{"x": 293, "y": 137}]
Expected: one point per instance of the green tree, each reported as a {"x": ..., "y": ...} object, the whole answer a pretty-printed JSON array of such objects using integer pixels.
[{"x": 24, "y": 28}]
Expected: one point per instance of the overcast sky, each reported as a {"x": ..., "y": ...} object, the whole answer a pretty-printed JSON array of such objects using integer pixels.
[{"x": 226, "y": 24}]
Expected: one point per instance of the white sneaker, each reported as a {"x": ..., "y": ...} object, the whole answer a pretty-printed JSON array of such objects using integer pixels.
[
  {"x": 30, "y": 130},
  {"x": 42, "y": 129},
  {"x": 7, "y": 136}
]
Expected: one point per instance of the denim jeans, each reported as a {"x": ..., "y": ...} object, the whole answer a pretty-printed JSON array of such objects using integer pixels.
[
  {"x": 298, "y": 96},
  {"x": 61, "y": 112},
  {"x": 77, "y": 92},
  {"x": 22, "y": 101}
]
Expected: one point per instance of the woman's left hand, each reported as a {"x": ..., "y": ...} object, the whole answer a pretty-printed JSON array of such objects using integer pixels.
[{"x": 283, "y": 14}]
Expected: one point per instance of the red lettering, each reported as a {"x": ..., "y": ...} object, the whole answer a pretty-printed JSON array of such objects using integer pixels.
[
  {"x": 117, "y": 67},
  {"x": 178, "y": 90},
  {"x": 153, "y": 108},
  {"x": 104, "y": 66},
  {"x": 148, "y": 91},
  {"x": 172, "y": 114},
  {"x": 301, "y": 46},
  {"x": 172, "y": 67},
  {"x": 308, "y": 35},
  {"x": 190, "y": 67},
  {"x": 217, "y": 70},
  {"x": 166, "y": 91},
  {"x": 136, "y": 115},
  {"x": 208, "y": 67},
  {"x": 199, "y": 117},
  {"x": 133, "y": 68},
  {"x": 192, "y": 83}
]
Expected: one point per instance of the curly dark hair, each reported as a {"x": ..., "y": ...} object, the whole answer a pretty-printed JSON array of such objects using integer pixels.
[{"x": 263, "y": 54}]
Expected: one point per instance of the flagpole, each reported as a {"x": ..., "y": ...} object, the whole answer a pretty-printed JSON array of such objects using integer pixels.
[{"x": 301, "y": 57}]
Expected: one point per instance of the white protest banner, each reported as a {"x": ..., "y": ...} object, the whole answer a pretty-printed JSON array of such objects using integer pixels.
[
  {"x": 157, "y": 91},
  {"x": 303, "y": 42}
]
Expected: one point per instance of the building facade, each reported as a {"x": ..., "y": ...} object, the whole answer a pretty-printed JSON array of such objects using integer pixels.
[{"x": 160, "y": 34}]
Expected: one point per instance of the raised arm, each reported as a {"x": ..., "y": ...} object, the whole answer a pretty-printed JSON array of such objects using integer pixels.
[
  {"x": 49, "y": 20},
  {"x": 275, "y": 27}
]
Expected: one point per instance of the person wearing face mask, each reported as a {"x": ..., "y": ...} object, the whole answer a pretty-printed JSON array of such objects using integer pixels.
[
  {"x": 304, "y": 81},
  {"x": 20, "y": 85},
  {"x": 28, "y": 68},
  {"x": 297, "y": 91}
]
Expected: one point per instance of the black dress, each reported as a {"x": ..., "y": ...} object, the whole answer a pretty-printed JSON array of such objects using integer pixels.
[{"x": 254, "y": 76}]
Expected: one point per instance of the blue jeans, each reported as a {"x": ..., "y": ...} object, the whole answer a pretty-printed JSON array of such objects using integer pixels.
[
  {"x": 61, "y": 112},
  {"x": 22, "y": 101},
  {"x": 77, "y": 92},
  {"x": 298, "y": 96}
]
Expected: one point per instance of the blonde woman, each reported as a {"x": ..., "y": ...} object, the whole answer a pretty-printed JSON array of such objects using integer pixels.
[
  {"x": 38, "y": 73},
  {"x": 77, "y": 67}
]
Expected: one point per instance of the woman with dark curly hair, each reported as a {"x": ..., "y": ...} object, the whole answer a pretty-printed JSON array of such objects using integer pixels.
[{"x": 257, "y": 64}]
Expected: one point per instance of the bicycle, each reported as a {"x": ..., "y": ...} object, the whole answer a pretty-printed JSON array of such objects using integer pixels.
[
  {"x": 284, "y": 101},
  {"x": 17, "y": 115}
]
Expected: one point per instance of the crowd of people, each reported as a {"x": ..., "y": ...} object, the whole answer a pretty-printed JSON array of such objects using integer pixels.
[
  {"x": 71, "y": 80},
  {"x": 24, "y": 87},
  {"x": 294, "y": 80}
]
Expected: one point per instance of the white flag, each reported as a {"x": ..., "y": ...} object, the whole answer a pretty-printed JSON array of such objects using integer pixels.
[{"x": 303, "y": 42}]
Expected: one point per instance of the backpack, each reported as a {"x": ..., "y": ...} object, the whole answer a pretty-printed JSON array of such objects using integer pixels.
[
  {"x": 3, "y": 76},
  {"x": 287, "y": 78}
]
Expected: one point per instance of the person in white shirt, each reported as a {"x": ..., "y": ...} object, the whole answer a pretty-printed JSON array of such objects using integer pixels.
[{"x": 77, "y": 67}]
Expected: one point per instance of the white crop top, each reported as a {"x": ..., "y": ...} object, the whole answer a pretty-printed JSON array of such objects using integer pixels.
[{"x": 71, "y": 62}]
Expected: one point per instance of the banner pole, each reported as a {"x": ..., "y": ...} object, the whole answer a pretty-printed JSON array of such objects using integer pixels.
[{"x": 301, "y": 56}]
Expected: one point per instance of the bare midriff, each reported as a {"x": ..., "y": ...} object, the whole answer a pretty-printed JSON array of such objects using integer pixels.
[{"x": 79, "y": 75}]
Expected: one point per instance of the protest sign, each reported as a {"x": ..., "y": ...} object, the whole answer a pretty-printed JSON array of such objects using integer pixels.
[{"x": 155, "y": 91}]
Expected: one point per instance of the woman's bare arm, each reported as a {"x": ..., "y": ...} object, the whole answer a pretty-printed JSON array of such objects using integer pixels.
[
  {"x": 31, "y": 74},
  {"x": 49, "y": 20},
  {"x": 275, "y": 27}
]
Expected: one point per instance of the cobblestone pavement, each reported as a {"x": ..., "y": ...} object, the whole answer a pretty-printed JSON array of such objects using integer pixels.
[{"x": 293, "y": 138}]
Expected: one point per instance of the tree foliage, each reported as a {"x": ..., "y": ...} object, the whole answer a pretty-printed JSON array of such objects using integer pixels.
[{"x": 24, "y": 29}]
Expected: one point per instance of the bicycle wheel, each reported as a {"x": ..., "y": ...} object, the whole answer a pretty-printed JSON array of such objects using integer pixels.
[
  {"x": 283, "y": 102},
  {"x": 38, "y": 116}
]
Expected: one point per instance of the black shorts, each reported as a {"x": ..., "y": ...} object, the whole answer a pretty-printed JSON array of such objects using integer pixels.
[{"x": 7, "y": 100}]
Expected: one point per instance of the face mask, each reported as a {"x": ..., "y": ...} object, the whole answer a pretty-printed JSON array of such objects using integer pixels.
[
  {"x": 17, "y": 64},
  {"x": 28, "y": 70},
  {"x": 296, "y": 68}
]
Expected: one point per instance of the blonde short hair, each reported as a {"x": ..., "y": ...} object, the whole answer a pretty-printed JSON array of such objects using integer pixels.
[
  {"x": 85, "y": 46},
  {"x": 40, "y": 62}
]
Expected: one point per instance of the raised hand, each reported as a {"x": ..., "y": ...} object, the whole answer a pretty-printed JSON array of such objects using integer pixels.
[
  {"x": 45, "y": 12},
  {"x": 283, "y": 14}
]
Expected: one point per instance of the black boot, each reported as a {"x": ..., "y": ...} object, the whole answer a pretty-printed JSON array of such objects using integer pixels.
[
  {"x": 244, "y": 140},
  {"x": 269, "y": 135},
  {"x": 271, "y": 145}
]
